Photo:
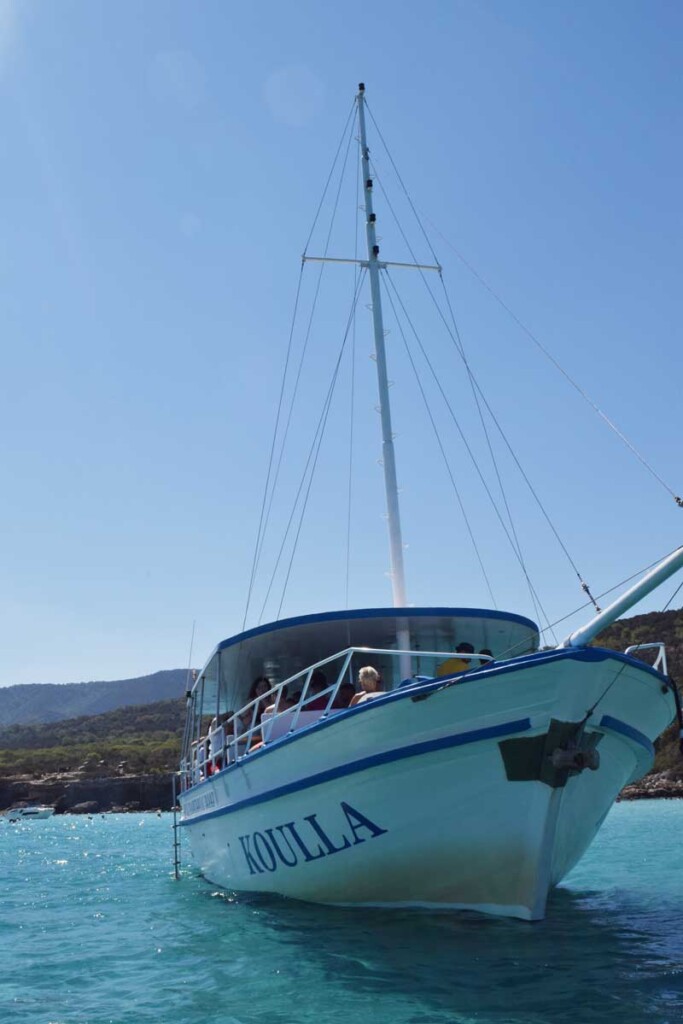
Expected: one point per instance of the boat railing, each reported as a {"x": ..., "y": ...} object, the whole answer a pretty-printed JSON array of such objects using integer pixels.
[
  {"x": 236, "y": 734},
  {"x": 659, "y": 662}
]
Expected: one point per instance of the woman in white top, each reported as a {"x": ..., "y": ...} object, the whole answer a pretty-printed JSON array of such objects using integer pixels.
[{"x": 370, "y": 682}]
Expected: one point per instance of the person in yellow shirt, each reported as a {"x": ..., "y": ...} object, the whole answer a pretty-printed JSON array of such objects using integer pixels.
[{"x": 452, "y": 666}]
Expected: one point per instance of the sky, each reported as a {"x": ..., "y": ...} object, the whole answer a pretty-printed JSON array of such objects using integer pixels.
[{"x": 162, "y": 166}]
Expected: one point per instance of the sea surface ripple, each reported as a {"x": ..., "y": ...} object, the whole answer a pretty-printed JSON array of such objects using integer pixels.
[{"x": 95, "y": 930}]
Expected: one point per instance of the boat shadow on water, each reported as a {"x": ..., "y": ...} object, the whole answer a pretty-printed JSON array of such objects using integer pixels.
[{"x": 589, "y": 960}]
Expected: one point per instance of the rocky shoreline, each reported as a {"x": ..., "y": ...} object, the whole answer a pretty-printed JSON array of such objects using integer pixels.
[
  {"x": 665, "y": 785},
  {"x": 71, "y": 794}
]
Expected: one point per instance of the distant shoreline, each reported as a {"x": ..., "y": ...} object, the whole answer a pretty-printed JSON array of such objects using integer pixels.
[{"x": 137, "y": 793}]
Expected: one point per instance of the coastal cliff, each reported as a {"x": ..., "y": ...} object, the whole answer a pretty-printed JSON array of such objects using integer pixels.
[{"x": 70, "y": 794}]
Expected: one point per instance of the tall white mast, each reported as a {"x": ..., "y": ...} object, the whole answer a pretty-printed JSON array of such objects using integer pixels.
[
  {"x": 398, "y": 582},
  {"x": 373, "y": 265}
]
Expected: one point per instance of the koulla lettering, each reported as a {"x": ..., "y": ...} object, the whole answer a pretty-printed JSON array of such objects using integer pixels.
[
  {"x": 263, "y": 851},
  {"x": 293, "y": 843},
  {"x": 357, "y": 821},
  {"x": 278, "y": 849},
  {"x": 254, "y": 869}
]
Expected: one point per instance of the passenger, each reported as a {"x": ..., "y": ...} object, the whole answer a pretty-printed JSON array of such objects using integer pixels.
[
  {"x": 369, "y": 681},
  {"x": 317, "y": 684},
  {"x": 452, "y": 666},
  {"x": 217, "y": 738},
  {"x": 251, "y": 717},
  {"x": 344, "y": 696},
  {"x": 259, "y": 688},
  {"x": 483, "y": 661},
  {"x": 283, "y": 703},
  {"x": 203, "y": 761}
]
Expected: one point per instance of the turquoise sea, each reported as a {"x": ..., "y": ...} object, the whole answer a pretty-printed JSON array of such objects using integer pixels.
[{"x": 95, "y": 930}]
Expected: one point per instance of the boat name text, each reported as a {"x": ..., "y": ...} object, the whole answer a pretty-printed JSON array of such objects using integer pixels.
[
  {"x": 300, "y": 842},
  {"x": 202, "y": 802}
]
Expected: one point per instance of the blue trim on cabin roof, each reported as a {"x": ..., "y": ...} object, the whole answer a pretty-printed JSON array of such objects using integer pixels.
[{"x": 376, "y": 613}]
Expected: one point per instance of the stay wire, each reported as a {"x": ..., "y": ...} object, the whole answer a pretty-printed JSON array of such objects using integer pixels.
[
  {"x": 305, "y": 471},
  {"x": 464, "y": 440},
  {"x": 442, "y": 449},
  {"x": 476, "y": 388},
  {"x": 457, "y": 340},
  {"x": 489, "y": 445},
  {"x": 326, "y": 412},
  {"x": 304, "y": 350},
  {"x": 402, "y": 184},
  {"x": 265, "y": 512},
  {"x": 259, "y": 535},
  {"x": 672, "y": 597},
  {"x": 577, "y": 387},
  {"x": 596, "y": 408},
  {"x": 587, "y": 604},
  {"x": 351, "y": 114},
  {"x": 353, "y": 394}
]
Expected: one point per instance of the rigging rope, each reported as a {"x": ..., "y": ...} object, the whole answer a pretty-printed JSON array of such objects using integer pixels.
[
  {"x": 466, "y": 444},
  {"x": 268, "y": 492},
  {"x": 586, "y": 604},
  {"x": 476, "y": 389},
  {"x": 442, "y": 449},
  {"x": 672, "y": 597},
  {"x": 457, "y": 340},
  {"x": 352, "y": 409},
  {"x": 316, "y": 437},
  {"x": 306, "y": 341},
  {"x": 333, "y": 382},
  {"x": 351, "y": 114},
  {"x": 259, "y": 533},
  {"x": 596, "y": 408}
]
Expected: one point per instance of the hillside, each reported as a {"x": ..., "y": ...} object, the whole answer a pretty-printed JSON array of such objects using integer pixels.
[
  {"x": 51, "y": 702},
  {"x": 138, "y": 739},
  {"x": 643, "y": 629}
]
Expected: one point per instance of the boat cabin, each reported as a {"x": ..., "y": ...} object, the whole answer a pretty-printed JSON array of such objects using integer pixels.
[{"x": 227, "y": 717}]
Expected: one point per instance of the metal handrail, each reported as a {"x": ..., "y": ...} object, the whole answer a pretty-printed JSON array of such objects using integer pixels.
[
  {"x": 660, "y": 660},
  {"x": 202, "y": 760}
]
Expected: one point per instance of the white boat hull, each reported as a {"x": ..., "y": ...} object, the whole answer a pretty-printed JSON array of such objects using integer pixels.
[
  {"x": 25, "y": 813},
  {"x": 404, "y": 802}
]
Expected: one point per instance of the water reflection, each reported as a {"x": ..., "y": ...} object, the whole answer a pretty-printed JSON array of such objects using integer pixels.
[{"x": 588, "y": 961}]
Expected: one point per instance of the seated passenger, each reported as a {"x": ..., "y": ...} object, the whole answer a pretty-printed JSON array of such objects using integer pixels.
[
  {"x": 259, "y": 688},
  {"x": 317, "y": 684},
  {"x": 283, "y": 703},
  {"x": 217, "y": 740},
  {"x": 370, "y": 682},
  {"x": 344, "y": 696},
  {"x": 484, "y": 661},
  {"x": 216, "y": 743},
  {"x": 452, "y": 666}
]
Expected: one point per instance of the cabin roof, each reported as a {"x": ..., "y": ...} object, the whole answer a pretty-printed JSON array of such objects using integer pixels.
[
  {"x": 354, "y": 614},
  {"x": 281, "y": 648}
]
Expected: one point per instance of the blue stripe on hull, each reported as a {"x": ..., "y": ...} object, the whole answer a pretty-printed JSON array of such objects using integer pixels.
[
  {"x": 607, "y": 722},
  {"x": 489, "y": 672},
  {"x": 352, "y": 767}
]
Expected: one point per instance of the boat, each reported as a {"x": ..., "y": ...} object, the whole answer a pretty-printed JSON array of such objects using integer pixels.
[
  {"x": 28, "y": 811},
  {"x": 471, "y": 771}
]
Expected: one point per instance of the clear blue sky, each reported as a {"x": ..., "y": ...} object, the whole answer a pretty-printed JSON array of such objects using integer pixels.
[{"x": 162, "y": 162}]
